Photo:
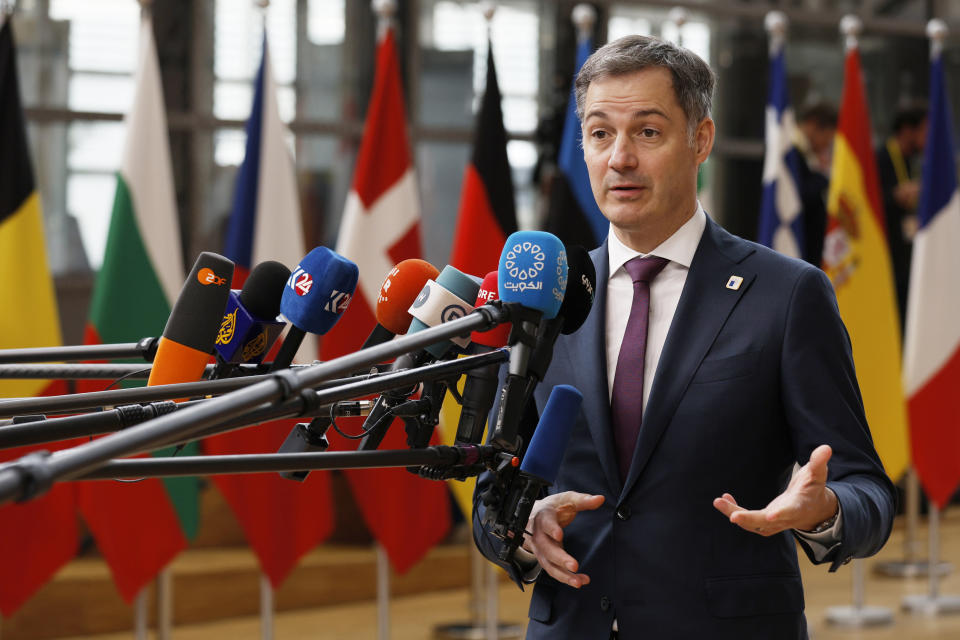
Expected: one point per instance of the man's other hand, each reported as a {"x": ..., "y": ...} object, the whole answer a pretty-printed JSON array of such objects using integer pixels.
[
  {"x": 545, "y": 538},
  {"x": 804, "y": 504}
]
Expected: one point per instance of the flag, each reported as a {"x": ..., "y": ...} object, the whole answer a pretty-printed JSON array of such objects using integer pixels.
[
  {"x": 140, "y": 526},
  {"x": 487, "y": 216},
  {"x": 40, "y": 536},
  {"x": 281, "y": 519},
  {"x": 781, "y": 219},
  {"x": 931, "y": 354},
  {"x": 381, "y": 227},
  {"x": 574, "y": 216},
  {"x": 856, "y": 257}
]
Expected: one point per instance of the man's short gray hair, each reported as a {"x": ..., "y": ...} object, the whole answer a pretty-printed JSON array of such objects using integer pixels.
[{"x": 693, "y": 79}]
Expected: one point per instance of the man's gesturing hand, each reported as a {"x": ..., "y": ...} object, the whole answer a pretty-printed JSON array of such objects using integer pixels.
[
  {"x": 804, "y": 504},
  {"x": 547, "y": 520}
]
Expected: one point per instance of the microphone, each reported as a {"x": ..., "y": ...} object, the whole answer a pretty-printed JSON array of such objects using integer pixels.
[
  {"x": 317, "y": 293},
  {"x": 577, "y": 303},
  {"x": 480, "y": 387},
  {"x": 187, "y": 341},
  {"x": 250, "y": 326},
  {"x": 398, "y": 291},
  {"x": 439, "y": 301},
  {"x": 510, "y": 498},
  {"x": 533, "y": 275}
]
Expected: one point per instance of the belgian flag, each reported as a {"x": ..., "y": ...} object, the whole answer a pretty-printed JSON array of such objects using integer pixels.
[{"x": 40, "y": 536}]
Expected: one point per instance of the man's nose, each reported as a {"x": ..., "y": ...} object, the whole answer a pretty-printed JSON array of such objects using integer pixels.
[{"x": 623, "y": 155}]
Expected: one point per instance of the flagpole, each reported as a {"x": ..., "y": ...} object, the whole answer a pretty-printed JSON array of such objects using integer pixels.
[
  {"x": 266, "y": 588},
  {"x": 163, "y": 582},
  {"x": 857, "y": 614}
]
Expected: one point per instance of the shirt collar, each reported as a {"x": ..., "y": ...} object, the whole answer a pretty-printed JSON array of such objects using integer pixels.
[{"x": 678, "y": 248}]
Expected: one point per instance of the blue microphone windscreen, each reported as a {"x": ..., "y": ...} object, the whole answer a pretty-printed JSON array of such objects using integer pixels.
[
  {"x": 319, "y": 290},
  {"x": 533, "y": 271},
  {"x": 435, "y": 306},
  {"x": 550, "y": 438}
]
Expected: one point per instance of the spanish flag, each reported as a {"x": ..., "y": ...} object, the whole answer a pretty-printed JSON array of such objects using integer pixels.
[
  {"x": 40, "y": 536},
  {"x": 857, "y": 259}
]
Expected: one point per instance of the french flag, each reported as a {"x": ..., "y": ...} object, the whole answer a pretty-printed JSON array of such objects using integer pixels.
[{"x": 931, "y": 354}]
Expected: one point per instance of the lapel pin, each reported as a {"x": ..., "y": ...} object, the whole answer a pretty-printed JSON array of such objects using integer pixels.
[{"x": 734, "y": 282}]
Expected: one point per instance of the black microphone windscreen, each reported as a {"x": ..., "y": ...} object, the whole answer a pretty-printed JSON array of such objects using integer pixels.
[
  {"x": 196, "y": 315},
  {"x": 263, "y": 289},
  {"x": 581, "y": 283}
]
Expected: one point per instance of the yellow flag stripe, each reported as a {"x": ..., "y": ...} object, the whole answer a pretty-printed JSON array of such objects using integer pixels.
[
  {"x": 449, "y": 419},
  {"x": 27, "y": 296},
  {"x": 857, "y": 260}
]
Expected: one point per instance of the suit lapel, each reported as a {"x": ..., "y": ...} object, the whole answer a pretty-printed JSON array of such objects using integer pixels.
[
  {"x": 704, "y": 307},
  {"x": 588, "y": 358}
]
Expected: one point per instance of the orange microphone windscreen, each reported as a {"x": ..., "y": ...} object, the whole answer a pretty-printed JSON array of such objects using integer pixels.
[{"x": 400, "y": 288}]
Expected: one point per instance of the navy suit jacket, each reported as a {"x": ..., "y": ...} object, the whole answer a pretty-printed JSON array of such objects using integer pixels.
[{"x": 749, "y": 381}]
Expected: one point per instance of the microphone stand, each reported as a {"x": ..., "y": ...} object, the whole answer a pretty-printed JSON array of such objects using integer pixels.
[
  {"x": 308, "y": 403},
  {"x": 35, "y": 473},
  {"x": 99, "y": 371},
  {"x": 145, "y": 348},
  {"x": 471, "y": 455}
]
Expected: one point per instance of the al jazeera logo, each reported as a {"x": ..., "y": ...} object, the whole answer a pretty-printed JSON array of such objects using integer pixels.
[
  {"x": 227, "y": 327},
  {"x": 255, "y": 347}
]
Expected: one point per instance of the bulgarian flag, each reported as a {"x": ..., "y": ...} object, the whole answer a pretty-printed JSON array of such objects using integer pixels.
[
  {"x": 932, "y": 352},
  {"x": 857, "y": 259},
  {"x": 381, "y": 227},
  {"x": 40, "y": 536},
  {"x": 487, "y": 216},
  {"x": 140, "y": 526}
]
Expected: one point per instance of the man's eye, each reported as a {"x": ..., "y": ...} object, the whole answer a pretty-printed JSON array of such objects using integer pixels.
[
  {"x": 648, "y": 132},
  {"x": 599, "y": 134}
]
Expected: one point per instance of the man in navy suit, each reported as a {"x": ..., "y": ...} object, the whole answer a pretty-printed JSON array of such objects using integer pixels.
[{"x": 674, "y": 514}]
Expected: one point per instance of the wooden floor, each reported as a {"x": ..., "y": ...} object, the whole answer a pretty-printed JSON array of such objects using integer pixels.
[{"x": 416, "y": 617}]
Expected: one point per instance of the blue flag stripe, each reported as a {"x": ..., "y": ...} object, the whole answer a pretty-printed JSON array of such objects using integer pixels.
[
  {"x": 939, "y": 180},
  {"x": 239, "y": 242},
  {"x": 571, "y": 161}
]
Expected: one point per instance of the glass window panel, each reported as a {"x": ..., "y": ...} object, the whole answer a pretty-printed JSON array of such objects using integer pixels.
[
  {"x": 229, "y": 147},
  {"x": 96, "y": 146},
  {"x": 94, "y": 92},
  {"x": 238, "y": 38},
  {"x": 440, "y": 167},
  {"x": 324, "y": 175},
  {"x": 90, "y": 201},
  {"x": 621, "y": 25},
  {"x": 232, "y": 100},
  {"x": 523, "y": 159},
  {"x": 325, "y": 21},
  {"x": 103, "y": 34}
]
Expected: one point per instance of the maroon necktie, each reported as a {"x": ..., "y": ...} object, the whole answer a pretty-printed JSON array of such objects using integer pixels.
[{"x": 626, "y": 404}]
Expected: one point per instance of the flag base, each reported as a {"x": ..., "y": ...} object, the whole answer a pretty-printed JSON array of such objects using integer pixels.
[
  {"x": 931, "y": 605},
  {"x": 471, "y": 631},
  {"x": 910, "y": 568},
  {"x": 853, "y": 617}
]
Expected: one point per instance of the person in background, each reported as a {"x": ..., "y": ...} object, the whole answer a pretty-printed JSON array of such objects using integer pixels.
[
  {"x": 899, "y": 172},
  {"x": 813, "y": 138}
]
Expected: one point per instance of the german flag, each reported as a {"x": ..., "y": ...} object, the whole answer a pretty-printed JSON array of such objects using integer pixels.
[
  {"x": 38, "y": 537},
  {"x": 487, "y": 216},
  {"x": 487, "y": 211}
]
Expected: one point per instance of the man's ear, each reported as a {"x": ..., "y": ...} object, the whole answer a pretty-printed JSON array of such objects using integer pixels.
[{"x": 703, "y": 139}]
